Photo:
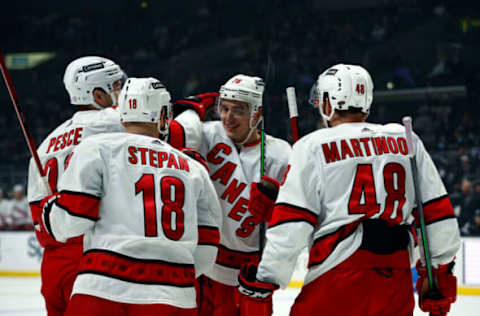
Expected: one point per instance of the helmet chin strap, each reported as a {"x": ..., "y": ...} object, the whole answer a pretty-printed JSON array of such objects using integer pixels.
[
  {"x": 99, "y": 107},
  {"x": 163, "y": 132},
  {"x": 114, "y": 98},
  {"x": 252, "y": 129},
  {"x": 326, "y": 118}
]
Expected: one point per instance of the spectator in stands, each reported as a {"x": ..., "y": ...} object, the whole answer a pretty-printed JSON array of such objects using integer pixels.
[
  {"x": 472, "y": 227},
  {"x": 19, "y": 210},
  {"x": 469, "y": 203},
  {"x": 5, "y": 220},
  {"x": 476, "y": 189}
]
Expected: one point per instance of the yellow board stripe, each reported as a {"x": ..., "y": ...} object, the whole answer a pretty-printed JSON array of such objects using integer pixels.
[
  {"x": 462, "y": 290},
  {"x": 295, "y": 284},
  {"x": 466, "y": 290},
  {"x": 20, "y": 273}
]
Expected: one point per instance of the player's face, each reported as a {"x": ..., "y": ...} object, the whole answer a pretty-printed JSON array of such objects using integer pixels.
[
  {"x": 18, "y": 195},
  {"x": 105, "y": 99},
  {"x": 235, "y": 117}
]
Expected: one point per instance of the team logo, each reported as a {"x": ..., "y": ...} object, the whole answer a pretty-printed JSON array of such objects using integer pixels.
[
  {"x": 237, "y": 80},
  {"x": 157, "y": 85},
  {"x": 331, "y": 71},
  {"x": 34, "y": 249},
  {"x": 92, "y": 67}
]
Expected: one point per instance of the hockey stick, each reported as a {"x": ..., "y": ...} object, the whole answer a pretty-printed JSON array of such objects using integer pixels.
[
  {"x": 262, "y": 151},
  {"x": 23, "y": 123},
  {"x": 293, "y": 112},
  {"x": 424, "y": 245}
]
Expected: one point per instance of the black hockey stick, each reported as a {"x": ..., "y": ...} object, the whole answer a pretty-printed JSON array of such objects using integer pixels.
[
  {"x": 432, "y": 292},
  {"x": 262, "y": 149}
]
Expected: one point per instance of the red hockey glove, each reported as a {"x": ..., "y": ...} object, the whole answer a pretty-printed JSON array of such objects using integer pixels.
[
  {"x": 437, "y": 301},
  {"x": 192, "y": 153},
  {"x": 255, "y": 297},
  {"x": 262, "y": 198},
  {"x": 200, "y": 103}
]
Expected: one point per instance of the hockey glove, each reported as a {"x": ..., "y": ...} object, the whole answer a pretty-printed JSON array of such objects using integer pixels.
[
  {"x": 192, "y": 153},
  {"x": 262, "y": 198},
  {"x": 437, "y": 302},
  {"x": 200, "y": 103},
  {"x": 255, "y": 296},
  {"x": 46, "y": 205}
]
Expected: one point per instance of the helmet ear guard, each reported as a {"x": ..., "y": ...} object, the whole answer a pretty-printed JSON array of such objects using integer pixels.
[{"x": 347, "y": 86}]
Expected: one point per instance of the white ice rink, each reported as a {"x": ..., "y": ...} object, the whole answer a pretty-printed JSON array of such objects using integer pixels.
[{"x": 21, "y": 297}]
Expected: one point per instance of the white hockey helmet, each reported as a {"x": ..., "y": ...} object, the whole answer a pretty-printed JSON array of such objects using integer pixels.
[
  {"x": 85, "y": 74},
  {"x": 347, "y": 86},
  {"x": 246, "y": 89},
  {"x": 143, "y": 100}
]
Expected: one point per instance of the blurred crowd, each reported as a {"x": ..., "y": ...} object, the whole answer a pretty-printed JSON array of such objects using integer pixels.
[
  {"x": 467, "y": 207},
  {"x": 404, "y": 44},
  {"x": 14, "y": 211}
]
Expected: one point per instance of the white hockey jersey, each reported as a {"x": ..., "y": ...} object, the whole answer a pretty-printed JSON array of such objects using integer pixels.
[
  {"x": 5, "y": 219},
  {"x": 339, "y": 177},
  {"x": 149, "y": 215},
  {"x": 232, "y": 170},
  {"x": 55, "y": 152},
  {"x": 18, "y": 213}
]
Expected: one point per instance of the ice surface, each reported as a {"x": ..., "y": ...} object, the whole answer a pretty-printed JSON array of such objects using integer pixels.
[{"x": 21, "y": 297}]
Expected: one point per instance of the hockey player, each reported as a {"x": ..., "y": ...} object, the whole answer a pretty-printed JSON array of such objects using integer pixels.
[
  {"x": 19, "y": 210},
  {"x": 349, "y": 197},
  {"x": 232, "y": 148},
  {"x": 93, "y": 84},
  {"x": 5, "y": 220},
  {"x": 149, "y": 213}
]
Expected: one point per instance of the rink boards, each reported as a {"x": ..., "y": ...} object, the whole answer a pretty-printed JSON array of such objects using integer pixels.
[{"x": 21, "y": 255}]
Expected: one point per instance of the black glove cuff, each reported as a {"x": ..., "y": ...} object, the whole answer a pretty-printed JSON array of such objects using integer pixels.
[{"x": 270, "y": 192}]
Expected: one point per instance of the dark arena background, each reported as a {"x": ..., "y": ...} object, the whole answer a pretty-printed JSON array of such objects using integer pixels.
[{"x": 423, "y": 57}]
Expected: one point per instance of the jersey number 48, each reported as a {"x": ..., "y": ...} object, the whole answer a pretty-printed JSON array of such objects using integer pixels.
[{"x": 364, "y": 186}]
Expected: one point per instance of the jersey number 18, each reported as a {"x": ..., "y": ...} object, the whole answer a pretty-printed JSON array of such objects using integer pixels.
[{"x": 171, "y": 205}]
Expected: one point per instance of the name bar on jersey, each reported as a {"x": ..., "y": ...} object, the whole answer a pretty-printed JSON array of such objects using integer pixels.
[
  {"x": 363, "y": 147},
  {"x": 158, "y": 159}
]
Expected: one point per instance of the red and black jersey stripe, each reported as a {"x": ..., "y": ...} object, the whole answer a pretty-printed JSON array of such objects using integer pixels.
[
  {"x": 79, "y": 204},
  {"x": 235, "y": 259},
  {"x": 435, "y": 210},
  {"x": 208, "y": 236},
  {"x": 143, "y": 271},
  {"x": 287, "y": 213}
]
